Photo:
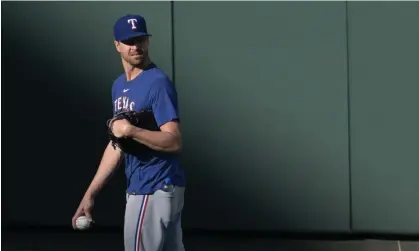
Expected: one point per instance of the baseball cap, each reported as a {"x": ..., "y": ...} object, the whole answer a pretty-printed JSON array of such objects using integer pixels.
[{"x": 130, "y": 26}]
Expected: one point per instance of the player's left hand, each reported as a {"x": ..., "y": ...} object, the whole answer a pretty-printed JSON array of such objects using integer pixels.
[{"x": 122, "y": 128}]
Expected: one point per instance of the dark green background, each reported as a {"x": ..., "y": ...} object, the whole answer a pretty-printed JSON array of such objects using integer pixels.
[{"x": 297, "y": 116}]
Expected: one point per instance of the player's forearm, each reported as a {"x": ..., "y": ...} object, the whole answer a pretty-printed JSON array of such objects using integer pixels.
[
  {"x": 108, "y": 164},
  {"x": 157, "y": 140}
]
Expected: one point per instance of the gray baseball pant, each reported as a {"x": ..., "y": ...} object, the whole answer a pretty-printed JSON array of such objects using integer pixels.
[{"x": 153, "y": 222}]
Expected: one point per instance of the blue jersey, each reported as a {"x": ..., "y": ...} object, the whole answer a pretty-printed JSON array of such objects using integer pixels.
[{"x": 151, "y": 89}]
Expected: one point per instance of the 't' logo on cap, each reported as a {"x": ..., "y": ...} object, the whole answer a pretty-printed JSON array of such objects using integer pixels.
[{"x": 133, "y": 21}]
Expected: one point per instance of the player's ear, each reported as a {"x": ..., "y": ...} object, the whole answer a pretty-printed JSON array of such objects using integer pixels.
[{"x": 116, "y": 43}]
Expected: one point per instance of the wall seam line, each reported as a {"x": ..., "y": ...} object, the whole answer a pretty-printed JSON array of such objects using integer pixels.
[
  {"x": 172, "y": 23},
  {"x": 348, "y": 100}
]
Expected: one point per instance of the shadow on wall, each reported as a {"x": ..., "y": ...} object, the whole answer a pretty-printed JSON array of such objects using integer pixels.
[
  {"x": 232, "y": 171},
  {"x": 234, "y": 202},
  {"x": 56, "y": 100}
]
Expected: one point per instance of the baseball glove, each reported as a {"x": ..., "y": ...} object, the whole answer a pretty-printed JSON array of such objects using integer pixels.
[{"x": 143, "y": 119}]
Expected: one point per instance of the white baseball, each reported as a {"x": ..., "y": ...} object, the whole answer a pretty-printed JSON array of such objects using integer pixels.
[{"x": 82, "y": 223}]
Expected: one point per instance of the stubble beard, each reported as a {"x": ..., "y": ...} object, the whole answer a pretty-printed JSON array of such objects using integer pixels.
[{"x": 139, "y": 61}]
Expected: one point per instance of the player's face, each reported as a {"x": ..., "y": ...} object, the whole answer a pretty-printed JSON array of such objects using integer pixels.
[{"x": 134, "y": 51}]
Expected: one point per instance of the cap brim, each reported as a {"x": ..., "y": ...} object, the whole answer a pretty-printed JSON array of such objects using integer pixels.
[{"x": 134, "y": 34}]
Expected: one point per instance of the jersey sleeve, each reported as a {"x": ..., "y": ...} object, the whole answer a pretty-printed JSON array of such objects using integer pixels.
[{"x": 164, "y": 101}]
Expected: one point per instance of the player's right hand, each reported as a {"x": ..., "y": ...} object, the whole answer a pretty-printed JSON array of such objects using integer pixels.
[{"x": 84, "y": 209}]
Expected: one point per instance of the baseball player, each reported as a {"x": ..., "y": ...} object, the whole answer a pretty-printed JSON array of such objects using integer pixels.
[{"x": 155, "y": 184}]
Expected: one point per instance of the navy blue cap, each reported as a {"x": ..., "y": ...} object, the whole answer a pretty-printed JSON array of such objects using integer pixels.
[{"x": 130, "y": 26}]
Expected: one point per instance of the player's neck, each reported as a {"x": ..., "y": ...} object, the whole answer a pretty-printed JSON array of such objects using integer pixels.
[{"x": 132, "y": 72}]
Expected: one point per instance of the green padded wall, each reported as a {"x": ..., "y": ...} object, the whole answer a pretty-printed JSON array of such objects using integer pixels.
[
  {"x": 384, "y": 98},
  {"x": 263, "y": 99}
]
